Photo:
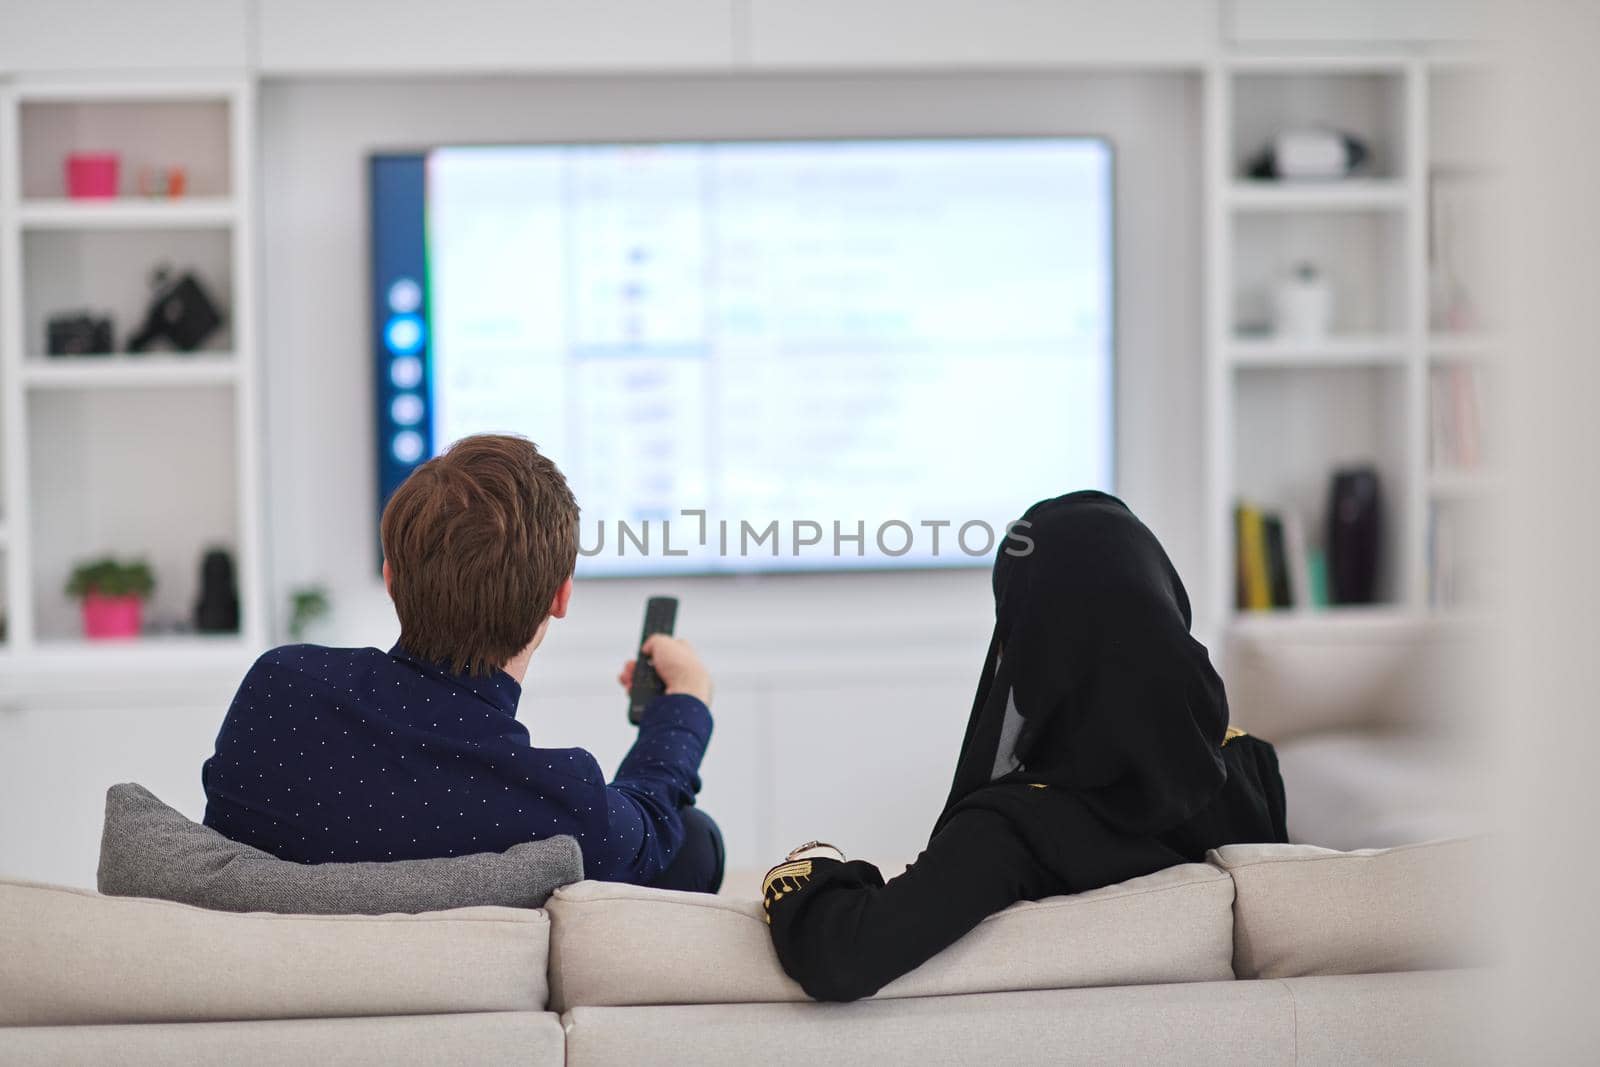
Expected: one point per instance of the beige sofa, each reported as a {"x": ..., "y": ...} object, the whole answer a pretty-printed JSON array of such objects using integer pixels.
[{"x": 1267, "y": 954}]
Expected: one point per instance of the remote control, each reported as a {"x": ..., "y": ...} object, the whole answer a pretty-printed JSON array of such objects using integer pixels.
[{"x": 660, "y": 615}]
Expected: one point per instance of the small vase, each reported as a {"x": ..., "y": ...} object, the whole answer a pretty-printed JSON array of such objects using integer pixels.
[
  {"x": 1303, "y": 305},
  {"x": 111, "y": 617}
]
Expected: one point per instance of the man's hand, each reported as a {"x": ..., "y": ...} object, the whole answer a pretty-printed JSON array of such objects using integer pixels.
[{"x": 677, "y": 664}]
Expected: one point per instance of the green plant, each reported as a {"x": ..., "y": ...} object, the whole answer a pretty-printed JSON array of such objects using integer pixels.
[
  {"x": 109, "y": 577},
  {"x": 306, "y": 606}
]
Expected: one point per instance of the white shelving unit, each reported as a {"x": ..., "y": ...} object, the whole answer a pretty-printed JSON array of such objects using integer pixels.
[
  {"x": 1283, "y": 414},
  {"x": 127, "y": 372},
  {"x": 1355, "y": 350},
  {"x": 63, "y": 214},
  {"x": 152, "y": 456},
  {"x": 1353, "y": 194}
]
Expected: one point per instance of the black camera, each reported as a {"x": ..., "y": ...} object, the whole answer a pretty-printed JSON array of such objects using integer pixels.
[{"x": 78, "y": 334}]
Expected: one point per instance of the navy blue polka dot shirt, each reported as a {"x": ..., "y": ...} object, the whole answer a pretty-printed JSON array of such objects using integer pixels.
[{"x": 344, "y": 754}]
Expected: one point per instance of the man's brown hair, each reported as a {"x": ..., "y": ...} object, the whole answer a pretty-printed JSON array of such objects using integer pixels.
[{"x": 478, "y": 540}]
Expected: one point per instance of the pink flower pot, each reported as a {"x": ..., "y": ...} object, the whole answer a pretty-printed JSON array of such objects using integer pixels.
[
  {"x": 92, "y": 175},
  {"x": 111, "y": 617}
]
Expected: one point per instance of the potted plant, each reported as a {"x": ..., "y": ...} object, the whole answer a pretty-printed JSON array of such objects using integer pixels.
[
  {"x": 306, "y": 605},
  {"x": 113, "y": 595}
]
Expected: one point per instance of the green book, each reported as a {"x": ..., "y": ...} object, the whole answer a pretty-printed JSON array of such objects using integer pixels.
[{"x": 1317, "y": 571}]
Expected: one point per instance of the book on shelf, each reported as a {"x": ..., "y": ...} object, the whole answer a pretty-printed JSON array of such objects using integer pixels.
[
  {"x": 1277, "y": 562},
  {"x": 1455, "y": 422},
  {"x": 1461, "y": 573},
  {"x": 1276, "y": 568},
  {"x": 1297, "y": 560},
  {"x": 1255, "y": 591}
]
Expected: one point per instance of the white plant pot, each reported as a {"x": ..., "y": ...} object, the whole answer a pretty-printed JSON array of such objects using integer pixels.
[{"x": 1303, "y": 308}]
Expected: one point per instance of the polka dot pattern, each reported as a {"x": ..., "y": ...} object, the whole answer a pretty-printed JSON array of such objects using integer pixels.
[{"x": 347, "y": 754}]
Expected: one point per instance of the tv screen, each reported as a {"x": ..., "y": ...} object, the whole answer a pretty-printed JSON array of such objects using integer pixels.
[{"x": 757, "y": 356}]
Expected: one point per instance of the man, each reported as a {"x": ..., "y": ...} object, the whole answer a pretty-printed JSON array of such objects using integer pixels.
[{"x": 333, "y": 754}]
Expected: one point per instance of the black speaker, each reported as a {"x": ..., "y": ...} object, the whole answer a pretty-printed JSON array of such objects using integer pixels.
[
  {"x": 1355, "y": 535},
  {"x": 217, "y": 610}
]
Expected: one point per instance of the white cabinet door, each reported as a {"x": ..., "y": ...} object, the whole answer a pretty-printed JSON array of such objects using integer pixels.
[
  {"x": 979, "y": 33},
  {"x": 1251, "y": 22},
  {"x": 359, "y": 36},
  {"x": 89, "y": 36}
]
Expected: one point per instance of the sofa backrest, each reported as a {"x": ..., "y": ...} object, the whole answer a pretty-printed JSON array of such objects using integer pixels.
[
  {"x": 69, "y": 956},
  {"x": 1300, "y": 910},
  {"x": 623, "y": 945}
]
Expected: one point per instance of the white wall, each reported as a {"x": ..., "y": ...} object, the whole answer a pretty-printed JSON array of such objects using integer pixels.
[{"x": 841, "y": 700}]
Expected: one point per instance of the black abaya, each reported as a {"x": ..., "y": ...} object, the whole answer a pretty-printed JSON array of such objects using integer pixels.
[{"x": 1123, "y": 763}]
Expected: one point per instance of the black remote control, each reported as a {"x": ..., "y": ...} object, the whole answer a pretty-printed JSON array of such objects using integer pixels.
[{"x": 660, "y": 615}]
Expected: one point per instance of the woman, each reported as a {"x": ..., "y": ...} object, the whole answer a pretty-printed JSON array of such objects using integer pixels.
[{"x": 1098, "y": 750}]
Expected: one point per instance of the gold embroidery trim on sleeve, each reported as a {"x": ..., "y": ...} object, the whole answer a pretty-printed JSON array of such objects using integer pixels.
[
  {"x": 782, "y": 880},
  {"x": 1233, "y": 732}
]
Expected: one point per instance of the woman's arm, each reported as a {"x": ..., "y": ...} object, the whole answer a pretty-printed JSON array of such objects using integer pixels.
[{"x": 843, "y": 934}]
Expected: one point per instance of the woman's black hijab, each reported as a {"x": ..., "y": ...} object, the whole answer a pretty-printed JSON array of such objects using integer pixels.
[{"x": 1119, "y": 705}]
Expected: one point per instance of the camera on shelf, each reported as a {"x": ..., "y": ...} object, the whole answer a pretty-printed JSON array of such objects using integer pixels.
[{"x": 78, "y": 334}]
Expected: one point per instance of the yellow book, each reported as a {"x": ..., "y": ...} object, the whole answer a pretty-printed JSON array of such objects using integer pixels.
[{"x": 1254, "y": 580}]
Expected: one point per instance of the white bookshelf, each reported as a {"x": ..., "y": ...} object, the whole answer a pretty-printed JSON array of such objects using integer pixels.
[
  {"x": 131, "y": 372},
  {"x": 151, "y": 455},
  {"x": 1351, "y": 194},
  {"x": 1284, "y": 413},
  {"x": 1351, "y": 350},
  {"x": 63, "y": 214}
]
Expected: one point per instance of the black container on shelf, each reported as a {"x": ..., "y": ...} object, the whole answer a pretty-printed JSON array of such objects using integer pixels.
[
  {"x": 1355, "y": 535},
  {"x": 217, "y": 610}
]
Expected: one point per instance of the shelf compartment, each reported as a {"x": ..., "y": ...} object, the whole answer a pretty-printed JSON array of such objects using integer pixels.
[
  {"x": 1462, "y": 101},
  {"x": 1464, "y": 574},
  {"x": 107, "y": 271},
  {"x": 146, "y": 473},
  {"x": 1466, "y": 251},
  {"x": 154, "y": 132},
  {"x": 1462, "y": 419},
  {"x": 1362, "y": 255},
  {"x": 1367, "y": 103},
  {"x": 1293, "y": 427},
  {"x": 131, "y": 371}
]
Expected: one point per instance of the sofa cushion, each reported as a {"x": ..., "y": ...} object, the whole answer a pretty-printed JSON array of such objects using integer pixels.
[
  {"x": 1196, "y": 1023},
  {"x": 70, "y": 956},
  {"x": 523, "y": 1039},
  {"x": 619, "y": 945},
  {"x": 148, "y": 849},
  {"x": 1443, "y": 1017},
  {"x": 1300, "y": 910}
]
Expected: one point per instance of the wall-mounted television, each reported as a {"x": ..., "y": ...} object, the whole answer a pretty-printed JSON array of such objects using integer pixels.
[{"x": 770, "y": 355}]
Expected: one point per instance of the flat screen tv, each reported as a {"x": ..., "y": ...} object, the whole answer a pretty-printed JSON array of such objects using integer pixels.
[{"x": 757, "y": 355}]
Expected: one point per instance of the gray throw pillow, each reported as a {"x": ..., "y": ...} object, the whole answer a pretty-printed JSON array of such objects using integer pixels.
[{"x": 150, "y": 850}]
